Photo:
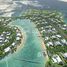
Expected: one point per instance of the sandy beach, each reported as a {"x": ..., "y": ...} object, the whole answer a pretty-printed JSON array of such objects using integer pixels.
[
  {"x": 44, "y": 47},
  {"x": 23, "y": 39}
]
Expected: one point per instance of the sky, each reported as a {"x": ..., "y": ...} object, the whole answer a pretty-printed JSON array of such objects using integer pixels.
[{"x": 30, "y": 0}]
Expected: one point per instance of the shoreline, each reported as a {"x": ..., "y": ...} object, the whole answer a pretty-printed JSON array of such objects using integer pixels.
[
  {"x": 19, "y": 46},
  {"x": 23, "y": 39},
  {"x": 42, "y": 43}
]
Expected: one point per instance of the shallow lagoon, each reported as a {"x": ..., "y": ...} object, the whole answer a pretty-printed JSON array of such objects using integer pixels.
[{"x": 31, "y": 50}]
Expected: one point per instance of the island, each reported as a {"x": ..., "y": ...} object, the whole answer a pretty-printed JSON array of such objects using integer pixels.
[{"x": 10, "y": 38}]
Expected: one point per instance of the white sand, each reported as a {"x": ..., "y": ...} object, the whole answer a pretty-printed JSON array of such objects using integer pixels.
[{"x": 23, "y": 40}]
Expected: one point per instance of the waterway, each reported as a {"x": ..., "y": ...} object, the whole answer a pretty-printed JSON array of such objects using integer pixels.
[{"x": 31, "y": 51}]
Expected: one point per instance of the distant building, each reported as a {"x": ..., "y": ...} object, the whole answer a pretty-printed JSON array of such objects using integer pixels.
[
  {"x": 56, "y": 59},
  {"x": 64, "y": 28},
  {"x": 13, "y": 44},
  {"x": 46, "y": 38},
  {"x": 7, "y": 49},
  {"x": 57, "y": 43},
  {"x": 17, "y": 38},
  {"x": 59, "y": 36},
  {"x": 1, "y": 38},
  {"x": 63, "y": 41},
  {"x": 8, "y": 33},
  {"x": 49, "y": 44},
  {"x": 65, "y": 55},
  {"x": 43, "y": 31},
  {"x": 18, "y": 34},
  {"x": 65, "y": 25},
  {"x": 53, "y": 36}
]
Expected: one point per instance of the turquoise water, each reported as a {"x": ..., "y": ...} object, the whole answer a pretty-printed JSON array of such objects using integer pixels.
[
  {"x": 65, "y": 20},
  {"x": 31, "y": 51}
]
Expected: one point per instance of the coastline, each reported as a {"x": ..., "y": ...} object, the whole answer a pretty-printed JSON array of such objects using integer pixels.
[
  {"x": 23, "y": 39},
  {"x": 42, "y": 43}
]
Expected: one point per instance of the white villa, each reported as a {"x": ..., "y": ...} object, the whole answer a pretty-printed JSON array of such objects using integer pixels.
[
  {"x": 56, "y": 59},
  {"x": 63, "y": 41},
  {"x": 49, "y": 44},
  {"x": 65, "y": 55},
  {"x": 7, "y": 49}
]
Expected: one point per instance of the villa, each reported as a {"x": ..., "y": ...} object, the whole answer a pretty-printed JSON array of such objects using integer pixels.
[
  {"x": 8, "y": 33},
  {"x": 49, "y": 44},
  {"x": 65, "y": 55},
  {"x": 57, "y": 43},
  {"x": 13, "y": 44},
  {"x": 17, "y": 38},
  {"x": 65, "y": 25},
  {"x": 42, "y": 28},
  {"x": 53, "y": 36},
  {"x": 7, "y": 49},
  {"x": 18, "y": 34},
  {"x": 6, "y": 40},
  {"x": 63, "y": 28},
  {"x": 1, "y": 38},
  {"x": 43, "y": 31},
  {"x": 53, "y": 29},
  {"x": 46, "y": 38},
  {"x": 56, "y": 59},
  {"x": 64, "y": 41},
  {"x": 4, "y": 37},
  {"x": 59, "y": 36}
]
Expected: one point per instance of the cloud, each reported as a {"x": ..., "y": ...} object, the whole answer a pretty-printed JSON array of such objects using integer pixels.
[
  {"x": 32, "y": 3},
  {"x": 63, "y": 0}
]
